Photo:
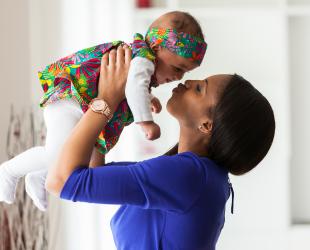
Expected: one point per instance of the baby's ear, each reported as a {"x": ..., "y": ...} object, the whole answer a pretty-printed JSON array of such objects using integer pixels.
[{"x": 155, "y": 47}]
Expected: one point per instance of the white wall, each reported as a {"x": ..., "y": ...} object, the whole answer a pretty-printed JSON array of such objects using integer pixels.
[
  {"x": 300, "y": 89},
  {"x": 14, "y": 63},
  {"x": 45, "y": 37}
]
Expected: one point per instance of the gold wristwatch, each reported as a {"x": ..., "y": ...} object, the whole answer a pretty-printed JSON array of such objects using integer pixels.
[{"x": 100, "y": 106}]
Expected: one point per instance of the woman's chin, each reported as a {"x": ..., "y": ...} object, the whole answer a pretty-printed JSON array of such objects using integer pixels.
[{"x": 171, "y": 103}]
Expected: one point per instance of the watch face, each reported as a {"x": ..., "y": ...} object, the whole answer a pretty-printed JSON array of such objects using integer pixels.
[{"x": 99, "y": 105}]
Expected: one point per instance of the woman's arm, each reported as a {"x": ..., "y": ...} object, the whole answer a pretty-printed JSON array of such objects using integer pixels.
[
  {"x": 166, "y": 182},
  {"x": 77, "y": 150},
  {"x": 97, "y": 159}
]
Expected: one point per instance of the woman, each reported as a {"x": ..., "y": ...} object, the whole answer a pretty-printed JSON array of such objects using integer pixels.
[{"x": 175, "y": 201}]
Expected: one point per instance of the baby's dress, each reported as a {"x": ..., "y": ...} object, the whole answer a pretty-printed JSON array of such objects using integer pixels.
[{"x": 76, "y": 77}]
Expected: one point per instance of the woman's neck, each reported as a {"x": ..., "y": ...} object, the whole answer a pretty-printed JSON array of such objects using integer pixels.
[{"x": 191, "y": 140}]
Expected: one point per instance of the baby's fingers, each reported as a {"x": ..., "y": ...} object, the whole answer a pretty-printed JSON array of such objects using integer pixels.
[{"x": 159, "y": 107}]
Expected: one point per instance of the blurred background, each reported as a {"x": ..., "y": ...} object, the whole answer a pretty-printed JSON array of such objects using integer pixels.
[{"x": 266, "y": 41}]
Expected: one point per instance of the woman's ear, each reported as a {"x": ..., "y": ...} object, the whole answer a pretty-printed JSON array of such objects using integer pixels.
[{"x": 206, "y": 127}]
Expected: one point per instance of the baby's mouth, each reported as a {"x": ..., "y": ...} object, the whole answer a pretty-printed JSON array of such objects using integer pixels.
[{"x": 154, "y": 83}]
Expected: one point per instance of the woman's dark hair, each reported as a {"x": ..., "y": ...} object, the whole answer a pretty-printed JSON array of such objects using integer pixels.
[{"x": 243, "y": 127}]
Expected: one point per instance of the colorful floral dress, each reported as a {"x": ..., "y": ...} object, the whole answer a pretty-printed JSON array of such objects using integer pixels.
[{"x": 76, "y": 77}]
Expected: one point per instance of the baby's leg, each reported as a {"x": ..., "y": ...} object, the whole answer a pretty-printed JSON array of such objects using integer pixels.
[
  {"x": 60, "y": 118},
  {"x": 10, "y": 171},
  {"x": 34, "y": 184}
]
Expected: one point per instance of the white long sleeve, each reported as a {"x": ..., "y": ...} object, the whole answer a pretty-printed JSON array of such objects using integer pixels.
[{"x": 137, "y": 88}]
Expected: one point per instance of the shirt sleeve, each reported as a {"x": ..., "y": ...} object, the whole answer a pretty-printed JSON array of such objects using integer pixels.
[
  {"x": 137, "y": 88},
  {"x": 171, "y": 183}
]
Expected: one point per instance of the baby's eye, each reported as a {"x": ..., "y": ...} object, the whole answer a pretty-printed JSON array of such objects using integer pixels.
[
  {"x": 198, "y": 88},
  {"x": 176, "y": 69}
]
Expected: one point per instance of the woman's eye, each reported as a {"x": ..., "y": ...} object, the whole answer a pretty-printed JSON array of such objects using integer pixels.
[{"x": 198, "y": 88}]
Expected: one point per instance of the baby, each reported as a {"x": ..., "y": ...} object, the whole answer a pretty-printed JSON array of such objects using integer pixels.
[{"x": 173, "y": 45}]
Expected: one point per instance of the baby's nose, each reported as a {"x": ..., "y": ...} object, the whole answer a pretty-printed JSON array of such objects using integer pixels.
[{"x": 179, "y": 76}]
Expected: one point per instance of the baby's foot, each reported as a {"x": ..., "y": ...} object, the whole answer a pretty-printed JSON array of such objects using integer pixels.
[
  {"x": 8, "y": 184},
  {"x": 35, "y": 188}
]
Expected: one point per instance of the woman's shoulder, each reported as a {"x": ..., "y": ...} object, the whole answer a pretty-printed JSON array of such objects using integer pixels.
[
  {"x": 202, "y": 162},
  {"x": 184, "y": 157},
  {"x": 188, "y": 163},
  {"x": 188, "y": 155}
]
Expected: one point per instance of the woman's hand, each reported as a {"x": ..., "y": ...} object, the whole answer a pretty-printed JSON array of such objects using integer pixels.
[{"x": 113, "y": 74}]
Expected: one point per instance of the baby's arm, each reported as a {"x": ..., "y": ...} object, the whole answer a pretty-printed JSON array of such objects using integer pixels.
[{"x": 138, "y": 96}]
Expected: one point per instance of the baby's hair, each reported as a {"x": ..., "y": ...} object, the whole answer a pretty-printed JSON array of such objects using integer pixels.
[{"x": 181, "y": 21}]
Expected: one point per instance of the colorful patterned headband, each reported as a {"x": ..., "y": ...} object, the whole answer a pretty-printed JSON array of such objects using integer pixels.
[{"x": 180, "y": 43}]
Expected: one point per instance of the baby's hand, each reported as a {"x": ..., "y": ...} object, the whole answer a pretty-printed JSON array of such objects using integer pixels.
[
  {"x": 150, "y": 129},
  {"x": 155, "y": 105}
]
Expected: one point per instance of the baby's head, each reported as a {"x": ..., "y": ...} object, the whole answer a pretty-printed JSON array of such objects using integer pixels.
[{"x": 178, "y": 43}]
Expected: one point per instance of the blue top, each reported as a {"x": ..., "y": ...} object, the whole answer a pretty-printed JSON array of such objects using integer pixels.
[{"x": 168, "y": 202}]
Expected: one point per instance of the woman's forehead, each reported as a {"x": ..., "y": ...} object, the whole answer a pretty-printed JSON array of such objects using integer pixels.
[
  {"x": 219, "y": 78},
  {"x": 218, "y": 81},
  {"x": 216, "y": 84}
]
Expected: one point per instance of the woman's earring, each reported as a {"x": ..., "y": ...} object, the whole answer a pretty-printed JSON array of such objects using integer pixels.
[{"x": 200, "y": 127}]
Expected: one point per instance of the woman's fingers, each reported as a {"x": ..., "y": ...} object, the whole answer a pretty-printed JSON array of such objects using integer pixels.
[
  {"x": 113, "y": 74},
  {"x": 112, "y": 57},
  {"x": 105, "y": 59},
  {"x": 127, "y": 54},
  {"x": 120, "y": 54}
]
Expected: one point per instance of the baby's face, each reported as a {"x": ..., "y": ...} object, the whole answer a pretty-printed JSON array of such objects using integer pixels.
[{"x": 170, "y": 67}]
